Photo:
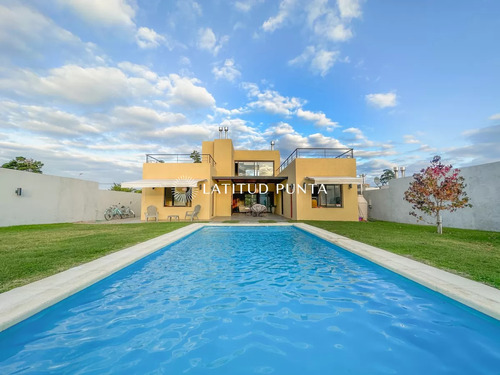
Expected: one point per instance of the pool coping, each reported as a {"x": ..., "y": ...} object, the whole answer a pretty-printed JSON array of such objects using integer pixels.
[{"x": 20, "y": 303}]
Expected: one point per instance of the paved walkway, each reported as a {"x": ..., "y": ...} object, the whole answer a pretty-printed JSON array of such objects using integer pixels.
[{"x": 242, "y": 218}]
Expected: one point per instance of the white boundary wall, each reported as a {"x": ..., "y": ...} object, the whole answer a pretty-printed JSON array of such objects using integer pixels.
[
  {"x": 483, "y": 189},
  {"x": 50, "y": 199}
]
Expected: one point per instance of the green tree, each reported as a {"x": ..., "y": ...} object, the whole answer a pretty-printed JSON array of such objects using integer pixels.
[
  {"x": 195, "y": 155},
  {"x": 437, "y": 188},
  {"x": 20, "y": 163},
  {"x": 386, "y": 176},
  {"x": 118, "y": 187}
]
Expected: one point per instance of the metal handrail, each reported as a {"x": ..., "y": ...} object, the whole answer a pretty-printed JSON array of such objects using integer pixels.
[
  {"x": 178, "y": 158},
  {"x": 316, "y": 152}
]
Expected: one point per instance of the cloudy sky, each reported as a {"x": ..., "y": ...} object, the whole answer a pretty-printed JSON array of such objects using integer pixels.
[{"x": 89, "y": 86}]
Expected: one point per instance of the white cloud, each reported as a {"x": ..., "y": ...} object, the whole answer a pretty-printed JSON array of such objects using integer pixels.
[
  {"x": 328, "y": 23},
  {"x": 208, "y": 41},
  {"x": 277, "y": 21},
  {"x": 331, "y": 27},
  {"x": 104, "y": 13},
  {"x": 382, "y": 100},
  {"x": 494, "y": 117},
  {"x": 319, "y": 118},
  {"x": 227, "y": 71},
  {"x": 143, "y": 117},
  {"x": 148, "y": 38},
  {"x": 80, "y": 85},
  {"x": 26, "y": 31},
  {"x": 185, "y": 92},
  {"x": 138, "y": 70},
  {"x": 320, "y": 61},
  {"x": 349, "y": 8},
  {"x": 229, "y": 112},
  {"x": 246, "y": 5},
  {"x": 271, "y": 101},
  {"x": 410, "y": 139},
  {"x": 45, "y": 120},
  {"x": 185, "y": 61},
  {"x": 288, "y": 139}
]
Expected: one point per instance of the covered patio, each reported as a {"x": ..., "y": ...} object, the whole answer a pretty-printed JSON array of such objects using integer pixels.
[{"x": 242, "y": 218}]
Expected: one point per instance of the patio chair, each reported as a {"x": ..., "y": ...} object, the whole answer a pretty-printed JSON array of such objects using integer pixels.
[
  {"x": 193, "y": 214},
  {"x": 258, "y": 209},
  {"x": 152, "y": 212}
]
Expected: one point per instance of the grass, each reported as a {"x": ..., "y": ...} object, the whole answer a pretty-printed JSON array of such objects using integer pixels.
[
  {"x": 29, "y": 253},
  {"x": 470, "y": 253},
  {"x": 267, "y": 221},
  {"x": 231, "y": 221}
]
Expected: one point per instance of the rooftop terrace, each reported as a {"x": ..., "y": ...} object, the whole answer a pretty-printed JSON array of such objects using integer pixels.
[{"x": 318, "y": 153}]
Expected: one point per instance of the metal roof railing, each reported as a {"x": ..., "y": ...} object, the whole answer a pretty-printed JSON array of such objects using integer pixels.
[
  {"x": 317, "y": 153},
  {"x": 178, "y": 158}
]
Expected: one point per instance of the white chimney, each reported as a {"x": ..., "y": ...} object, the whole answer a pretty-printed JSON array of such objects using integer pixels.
[
  {"x": 226, "y": 129},
  {"x": 395, "y": 170},
  {"x": 272, "y": 145},
  {"x": 220, "y": 132},
  {"x": 402, "y": 169}
]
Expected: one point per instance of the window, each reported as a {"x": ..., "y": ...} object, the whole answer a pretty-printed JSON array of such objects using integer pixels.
[
  {"x": 177, "y": 197},
  {"x": 327, "y": 196},
  {"x": 254, "y": 168}
]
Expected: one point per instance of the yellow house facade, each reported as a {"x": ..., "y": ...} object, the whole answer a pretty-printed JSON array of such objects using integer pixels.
[{"x": 311, "y": 184}]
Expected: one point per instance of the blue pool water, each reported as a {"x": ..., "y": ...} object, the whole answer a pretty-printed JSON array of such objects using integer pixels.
[{"x": 254, "y": 300}]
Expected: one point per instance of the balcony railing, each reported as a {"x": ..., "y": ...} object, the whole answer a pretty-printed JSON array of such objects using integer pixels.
[
  {"x": 317, "y": 153},
  {"x": 178, "y": 158}
]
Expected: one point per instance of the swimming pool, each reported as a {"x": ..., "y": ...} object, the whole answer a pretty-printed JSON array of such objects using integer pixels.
[{"x": 248, "y": 300}]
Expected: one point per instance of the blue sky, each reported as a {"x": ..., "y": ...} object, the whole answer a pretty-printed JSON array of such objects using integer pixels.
[{"x": 90, "y": 86}]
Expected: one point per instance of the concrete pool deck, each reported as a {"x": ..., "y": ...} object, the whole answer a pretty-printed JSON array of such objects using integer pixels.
[{"x": 22, "y": 302}]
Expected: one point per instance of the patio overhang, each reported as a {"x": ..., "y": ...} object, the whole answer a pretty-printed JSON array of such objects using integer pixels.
[
  {"x": 335, "y": 180},
  {"x": 151, "y": 183},
  {"x": 251, "y": 179}
]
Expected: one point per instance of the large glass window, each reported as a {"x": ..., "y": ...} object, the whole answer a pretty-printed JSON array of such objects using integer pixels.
[
  {"x": 327, "y": 196},
  {"x": 177, "y": 197},
  {"x": 254, "y": 168}
]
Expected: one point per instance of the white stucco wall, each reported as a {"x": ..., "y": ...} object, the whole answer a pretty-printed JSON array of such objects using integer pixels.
[
  {"x": 483, "y": 189},
  {"x": 51, "y": 199}
]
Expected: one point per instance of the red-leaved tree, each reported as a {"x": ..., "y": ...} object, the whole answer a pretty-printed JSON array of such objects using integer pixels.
[{"x": 437, "y": 188}]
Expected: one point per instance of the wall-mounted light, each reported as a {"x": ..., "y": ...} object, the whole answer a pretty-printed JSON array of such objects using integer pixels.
[
  {"x": 19, "y": 191},
  {"x": 200, "y": 186},
  {"x": 350, "y": 186},
  {"x": 153, "y": 188}
]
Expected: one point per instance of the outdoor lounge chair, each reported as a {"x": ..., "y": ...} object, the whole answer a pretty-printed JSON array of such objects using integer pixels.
[
  {"x": 152, "y": 212},
  {"x": 193, "y": 214}
]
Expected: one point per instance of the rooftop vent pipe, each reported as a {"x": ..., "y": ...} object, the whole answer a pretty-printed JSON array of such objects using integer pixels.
[
  {"x": 395, "y": 169},
  {"x": 226, "y": 129},
  {"x": 402, "y": 170},
  {"x": 220, "y": 132},
  {"x": 272, "y": 145}
]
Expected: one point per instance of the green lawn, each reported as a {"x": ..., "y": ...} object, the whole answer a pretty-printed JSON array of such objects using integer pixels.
[
  {"x": 29, "y": 253},
  {"x": 471, "y": 253},
  {"x": 32, "y": 252}
]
